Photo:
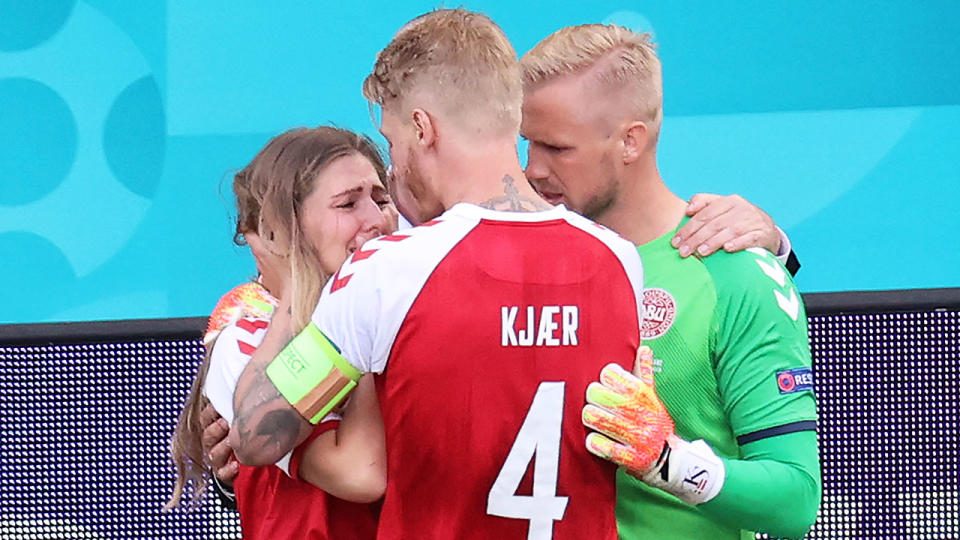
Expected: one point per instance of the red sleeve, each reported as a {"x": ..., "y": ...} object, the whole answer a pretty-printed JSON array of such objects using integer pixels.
[{"x": 297, "y": 455}]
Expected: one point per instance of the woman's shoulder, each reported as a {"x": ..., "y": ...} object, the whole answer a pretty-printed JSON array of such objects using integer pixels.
[{"x": 229, "y": 355}]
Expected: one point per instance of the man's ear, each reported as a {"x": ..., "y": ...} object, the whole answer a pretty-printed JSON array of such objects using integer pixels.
[
  {"x": 635, "y": 138},
  {"x": 426, "y": 129}
]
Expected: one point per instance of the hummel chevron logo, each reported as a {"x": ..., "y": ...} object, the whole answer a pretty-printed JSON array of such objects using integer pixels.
[
  {"x": 361, "y": 255},
  {"x": 246, "y": 348},
  {"x": 789, "y": 303},
  {"x": 339, "y": 282},
  {"x": 790, "y": 306},
  {"x": 771, "y": 269},
  {"x": 252, "y": 325}
]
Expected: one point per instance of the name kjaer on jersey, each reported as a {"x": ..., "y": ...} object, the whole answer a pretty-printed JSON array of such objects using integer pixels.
[{"x": 543, "y": 333}]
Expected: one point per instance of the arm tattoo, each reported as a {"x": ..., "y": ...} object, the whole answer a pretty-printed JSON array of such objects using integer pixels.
[
  {"x": 280, "y": 428},
  {"x": 264, "y": 415},
  {"x": 512, "y": 201}
]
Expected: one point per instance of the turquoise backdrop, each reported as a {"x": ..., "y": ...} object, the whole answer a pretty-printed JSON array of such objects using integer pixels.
[{"x": 122, "y": 122}]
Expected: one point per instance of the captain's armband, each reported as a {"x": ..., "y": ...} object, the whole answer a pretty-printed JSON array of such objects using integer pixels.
[{"x": 312, "y": 375}]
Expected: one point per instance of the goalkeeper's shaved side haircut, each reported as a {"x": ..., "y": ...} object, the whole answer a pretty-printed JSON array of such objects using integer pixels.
[
  {"x": 458, "y": 60},
  {"x": 618, "y": 58}
]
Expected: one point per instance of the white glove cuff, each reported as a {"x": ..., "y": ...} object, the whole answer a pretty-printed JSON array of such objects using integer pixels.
[{"x": 691, "y": 471}]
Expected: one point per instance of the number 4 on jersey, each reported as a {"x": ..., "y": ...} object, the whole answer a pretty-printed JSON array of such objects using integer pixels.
[{"x": 539, "y": 441}]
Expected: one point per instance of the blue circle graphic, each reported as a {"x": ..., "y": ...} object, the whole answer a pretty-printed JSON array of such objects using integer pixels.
[
  {"x": 26, "y": 24},
  {"x": 134, "y": 137},
  {"x": 41, "y": 273},
  {"x": 38, "y": 140}
]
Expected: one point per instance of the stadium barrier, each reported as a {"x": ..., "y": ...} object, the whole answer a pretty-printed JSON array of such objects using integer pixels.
[{"x": 86, "y": 412}]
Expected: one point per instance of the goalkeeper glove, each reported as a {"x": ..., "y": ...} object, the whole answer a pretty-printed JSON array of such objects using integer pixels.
[
  {"x": 635, "y": 431},
  {"x": 248, "y": 300}
]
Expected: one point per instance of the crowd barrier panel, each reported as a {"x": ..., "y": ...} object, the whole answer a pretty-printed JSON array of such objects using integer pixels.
[{"x": 86, "y": 412}]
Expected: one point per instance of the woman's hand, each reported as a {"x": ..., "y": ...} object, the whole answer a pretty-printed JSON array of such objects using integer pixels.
[
  {"x": 274, "y": 268},
  {"x": 216, "y": 445}
]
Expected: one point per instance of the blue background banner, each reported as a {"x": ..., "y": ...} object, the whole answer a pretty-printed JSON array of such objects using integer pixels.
[{"x": 121, "y": 125}]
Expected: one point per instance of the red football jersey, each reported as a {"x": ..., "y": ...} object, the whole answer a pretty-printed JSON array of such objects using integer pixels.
[
  {"x": 274, "y": 506},
  {"x": 487, "y": 328}
]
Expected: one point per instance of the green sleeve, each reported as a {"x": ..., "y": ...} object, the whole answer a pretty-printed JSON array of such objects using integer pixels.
[
  {"x": 774, "y": 488},
  {"x": 759, "y": 332}
]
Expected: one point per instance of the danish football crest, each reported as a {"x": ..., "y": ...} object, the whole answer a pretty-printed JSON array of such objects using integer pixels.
[{"x": 659, "y": 310}]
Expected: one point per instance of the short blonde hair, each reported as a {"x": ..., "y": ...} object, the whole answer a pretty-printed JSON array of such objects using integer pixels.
[
  {"x": 462, "y": 60},
  {"x": 620, "y": 58}
]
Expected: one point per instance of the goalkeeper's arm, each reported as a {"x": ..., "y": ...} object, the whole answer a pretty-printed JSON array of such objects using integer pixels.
[{"x": 774, "y": 487}]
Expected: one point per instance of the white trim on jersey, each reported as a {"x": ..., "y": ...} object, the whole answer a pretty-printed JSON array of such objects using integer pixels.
[{"x": 364, "y": 304}]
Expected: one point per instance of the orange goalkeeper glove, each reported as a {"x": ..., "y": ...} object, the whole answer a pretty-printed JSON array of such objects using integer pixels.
[
  {"x": 635, "y": 431},
  {"x": 248, "y": 300}
]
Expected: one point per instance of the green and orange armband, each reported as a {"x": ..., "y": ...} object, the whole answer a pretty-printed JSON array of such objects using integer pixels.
[{"x": 312, "y": 375}]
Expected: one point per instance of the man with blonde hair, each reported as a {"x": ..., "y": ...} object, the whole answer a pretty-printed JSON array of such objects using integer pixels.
[
  {"x": 486, "y": 323},
  {"x": 731, "y": 448}
]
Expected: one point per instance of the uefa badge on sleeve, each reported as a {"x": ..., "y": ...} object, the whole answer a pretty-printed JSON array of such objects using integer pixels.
[{"x": 795, "y": 380}]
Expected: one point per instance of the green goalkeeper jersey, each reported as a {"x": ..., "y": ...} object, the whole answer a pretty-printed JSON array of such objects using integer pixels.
[{"x": 732, "y": 365}]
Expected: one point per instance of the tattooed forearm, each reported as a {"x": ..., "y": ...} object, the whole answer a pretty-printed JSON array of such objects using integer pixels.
[
  {"x": 266, "y": 425},
  {"x": 280, "y": 427},
  {"x": 512, "y": 201},
  {"x": 259, "y": 395}
]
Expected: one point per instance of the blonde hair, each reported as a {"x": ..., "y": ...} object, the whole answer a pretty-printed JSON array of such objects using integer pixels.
[
  {"x": 620, "y": 59},
  {"x": 459, "y": 59},
  {"x": 186, "y": 449},
  {"x": 270, "y": 192}
]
